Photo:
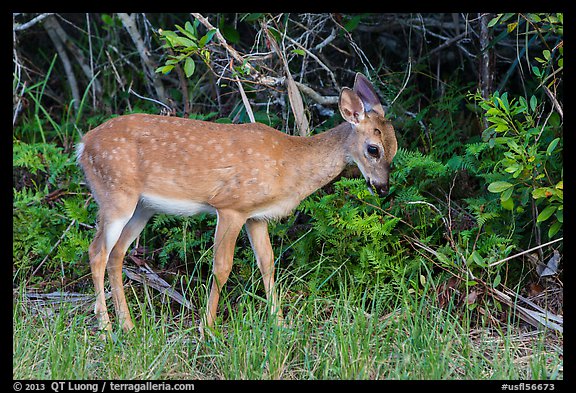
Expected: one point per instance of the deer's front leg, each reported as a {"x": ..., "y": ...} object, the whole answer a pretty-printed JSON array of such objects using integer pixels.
[
  {"x": 260, "y": 241},
  {"x": 227, "y": 230}
]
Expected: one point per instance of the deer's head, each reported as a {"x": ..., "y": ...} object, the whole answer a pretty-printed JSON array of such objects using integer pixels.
[{"x": 375, "y": 143}]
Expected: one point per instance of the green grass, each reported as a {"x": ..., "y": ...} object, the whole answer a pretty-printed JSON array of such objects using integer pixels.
[{"x": 341, "y": 336}]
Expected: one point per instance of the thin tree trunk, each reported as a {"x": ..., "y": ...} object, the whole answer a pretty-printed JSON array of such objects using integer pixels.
[
  {"x": 486, "y": 64},
  {"x": 149, "y": 67},
  {"x": 51, "y": 26}
]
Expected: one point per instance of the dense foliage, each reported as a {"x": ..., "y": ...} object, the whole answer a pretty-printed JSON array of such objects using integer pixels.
[{"x": 476, "y": 101}]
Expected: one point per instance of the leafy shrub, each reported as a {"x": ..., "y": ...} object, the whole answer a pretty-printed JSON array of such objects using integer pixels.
[
  {"x": 528, "y": 170},
  {"x": 49, "y": 211}
]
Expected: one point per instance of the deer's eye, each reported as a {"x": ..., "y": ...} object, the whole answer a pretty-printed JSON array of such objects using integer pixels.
[{"x": 373, "y": 151}]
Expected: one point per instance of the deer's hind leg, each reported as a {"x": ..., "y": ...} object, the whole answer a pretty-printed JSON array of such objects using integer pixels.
[
  {"x": 111, "y": 224},
  {"x": 130, "y": 232}
]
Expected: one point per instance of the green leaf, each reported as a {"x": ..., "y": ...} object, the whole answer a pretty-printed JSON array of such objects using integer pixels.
[
  {"x": 444, "y": 259},
  {"x": 533, "y": 102},
  {"x": 513, "y": 167},
  {"x": 107, "y": 19},
  {"x": 503, "y": 101},
  {"x": 230, "y": 33},
  {"x": 554, "y": 228},
  {"x": 188, "y": 27},
  {"x": 188, "y": 31},
  {"x": 506, "y": 194},
  {"x": 352, "y": 23},
  {"x": 507, "y": 204},
  {"x": 183, "y": 41},
  {"x": 540, "y": 192},
  {"x": 496, "y": 281},
  {"x": 499, "y": 186},
  {"x": 502, "y": 127},
  {"x": 477, "y": 258},
  {"x": 252, "y": 16},
  {"x": 552, "y": 146},
  {"x": 207, "y": 37},
  {"x": 560, "y": 215},
  {"x": 494, "y": 21},
  {"x": 189, "y": 67},
  {"x": 534, "y": 18},
  {"x": 298, "y": 52},
  {"x": 546, "y": 213},
  {"x": 554, "y": 120},
  {"x": 165, "y": 69}
]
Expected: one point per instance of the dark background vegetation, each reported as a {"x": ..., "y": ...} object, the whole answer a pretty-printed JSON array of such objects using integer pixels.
[{"x": 476, "y": 101}]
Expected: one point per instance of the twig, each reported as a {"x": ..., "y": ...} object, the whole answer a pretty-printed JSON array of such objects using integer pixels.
[
  {"x": 118, "y": 78},
  {"x": 554, "y": 101},
  {"x": 361, "y": 55},
  {"x": 257, "y": 77},
  {"x": 320, "y": 62},
  {"x": 18, "y": 103},
  {"x": 322, "y": 100},
  {"x": 244, "y": 99},
  {"x": 233, "y": 52},
  {"x": 525, "y": 252},
  {"x": 91, "y": 60},
  {"x": 408, "y": 74},
  {"x": 537, "y": 318},
  {"x": 326, "y": 41},
  {"x": 147, "y": 98},
  {"x": 145, "y": 275},
  {"x": 296, "y": 103},
  {"x": 447, "y": 43},
  {"x": 53, "y": 248},
  {"x": 30, "y": 23}
]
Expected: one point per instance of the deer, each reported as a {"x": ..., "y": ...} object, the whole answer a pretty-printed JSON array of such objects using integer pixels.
[{"x": 138, "y": 165}]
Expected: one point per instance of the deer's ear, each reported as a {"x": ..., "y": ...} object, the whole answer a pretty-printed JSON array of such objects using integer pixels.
[
  {"x": 364, "y": 89},
  {"x": 351, "y": 106}
]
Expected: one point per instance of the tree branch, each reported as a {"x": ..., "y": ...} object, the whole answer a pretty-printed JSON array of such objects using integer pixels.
[
  {"x": 51, "y": 27},
  {"x": 150, "y": 68}
]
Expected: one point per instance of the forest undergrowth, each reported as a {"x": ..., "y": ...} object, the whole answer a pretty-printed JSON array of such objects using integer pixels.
[{"x": 456, "y": 274}]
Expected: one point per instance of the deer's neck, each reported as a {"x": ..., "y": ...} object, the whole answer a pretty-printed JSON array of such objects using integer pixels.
[{"x": 323, "y": 157}]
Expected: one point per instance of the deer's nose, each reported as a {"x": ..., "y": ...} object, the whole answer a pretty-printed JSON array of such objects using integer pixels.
[{"x": 380, "y": 188}]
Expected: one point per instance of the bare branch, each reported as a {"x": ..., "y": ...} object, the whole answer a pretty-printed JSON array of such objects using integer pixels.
[
  {"x": 554, "y": 101},
  {"x": 50, "y": 25},
  {"x": 30, "y": 23},
  {"x": 320, "y": 99},
  {"x": 130, "y": 25}
]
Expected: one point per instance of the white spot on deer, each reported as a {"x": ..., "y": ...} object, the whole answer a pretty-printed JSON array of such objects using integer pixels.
[{"x": 265, "y": 188}]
